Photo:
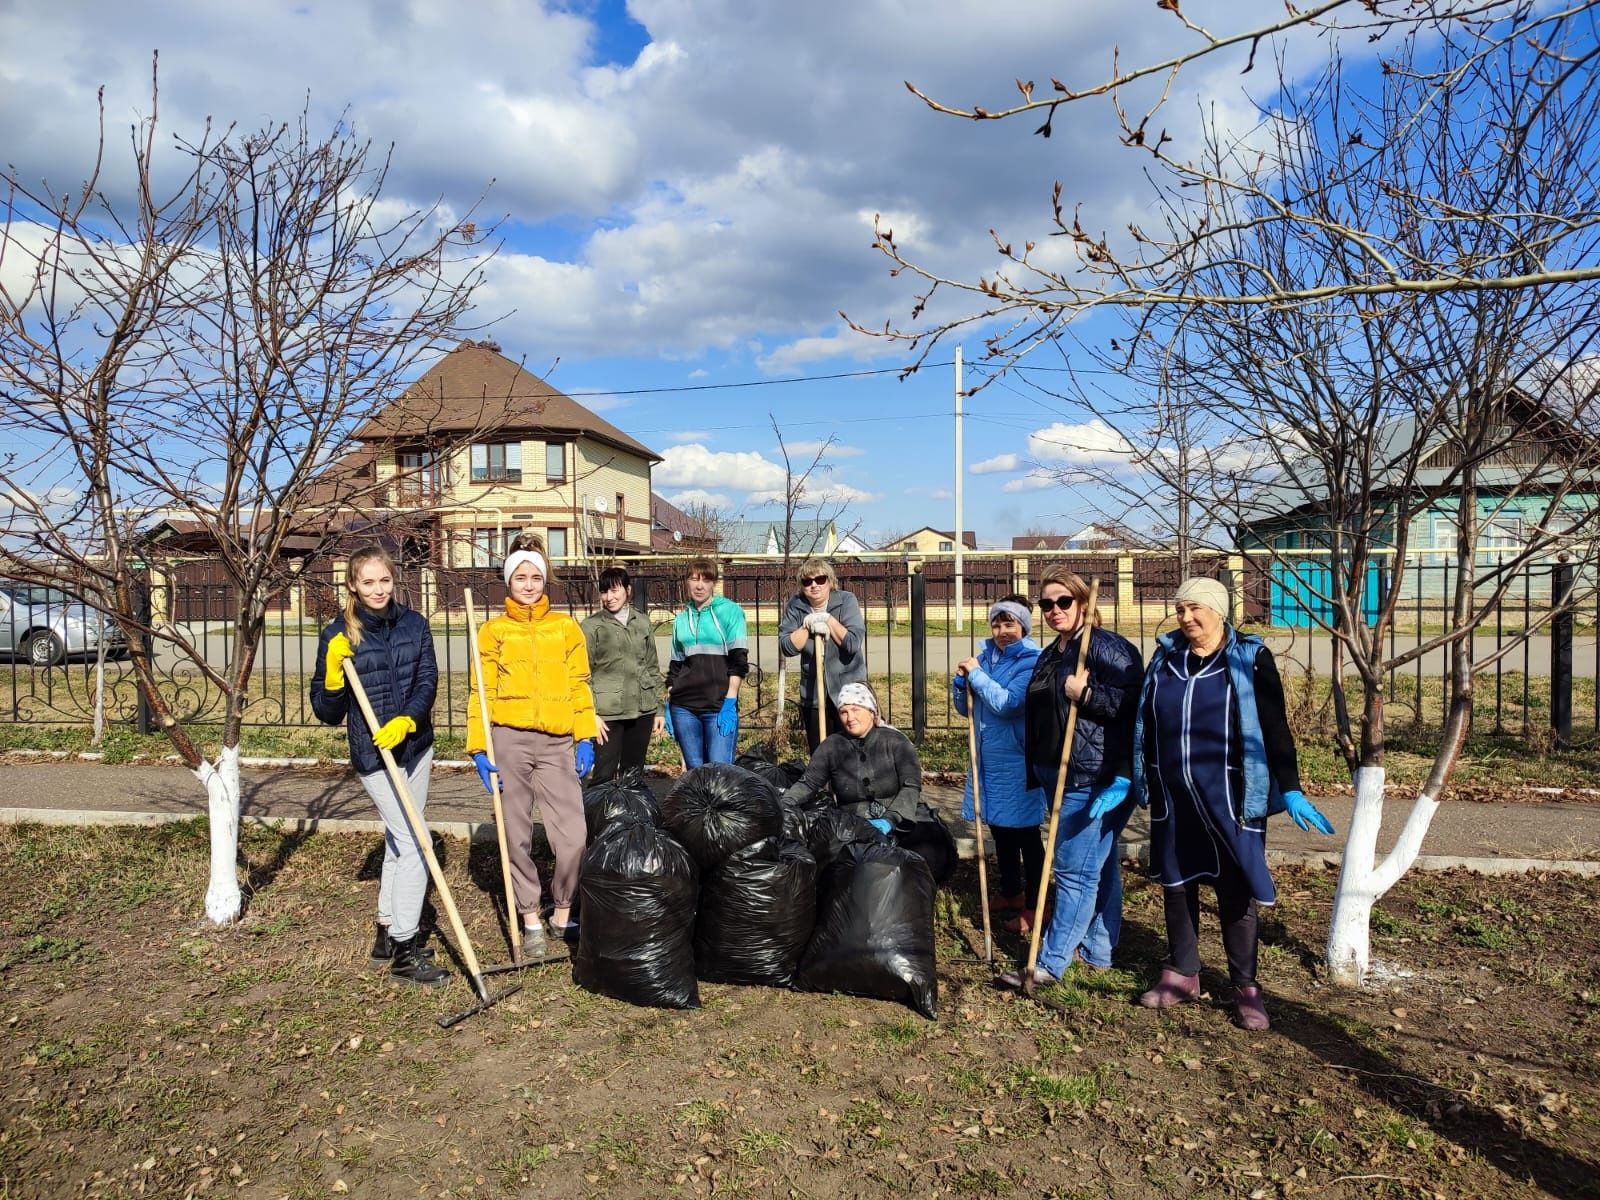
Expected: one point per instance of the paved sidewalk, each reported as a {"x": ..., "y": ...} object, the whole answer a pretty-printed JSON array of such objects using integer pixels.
[{"x": 1553, "y": 834}]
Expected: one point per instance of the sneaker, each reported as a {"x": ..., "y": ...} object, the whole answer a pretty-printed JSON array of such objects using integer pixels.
[
  {"x": 411, "y": 965},
  {"x": 535, "y": 948},
  {"x": 1015, "y": 979},
  {"x": 1085, "y": 964},
  {"x": 567, "y": 933},
  {"x": 1248, "y": 1010},
  {"x": 1172, "y": 988}
]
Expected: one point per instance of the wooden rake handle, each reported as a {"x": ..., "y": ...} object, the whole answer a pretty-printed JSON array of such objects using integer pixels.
[
  {"x": 977, "y": 823},
  {"x": 494, "y": 783}
]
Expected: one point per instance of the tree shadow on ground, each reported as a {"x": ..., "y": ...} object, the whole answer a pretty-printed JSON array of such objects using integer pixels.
[{"x": 1501, "y": 1140}]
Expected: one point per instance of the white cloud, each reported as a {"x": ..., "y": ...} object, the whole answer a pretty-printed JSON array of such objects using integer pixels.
[
  {"x": 682, "y": 436},
  {"x": 1037, "y": 480},
  {"x": 1091, "y": 442},
  {"x": 827, "y": 492},
  {"x": 1000, "y": 462},
  {"x": 698, "y": 498},
  {"x": 694, "y": 466}
]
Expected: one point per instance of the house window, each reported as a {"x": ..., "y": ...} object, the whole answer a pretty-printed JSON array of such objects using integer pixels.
[
  {"x": 622, "y": 516},
  {"x": 497, "y": 462},
  {"x": 947, "y": 545},
  {"x": 1503, "y": 533},
  {"x": 556, "y": 542},
  {"x": 555, "y": 462},
  {"x": 489, "y": 547},
  {"x": 420, "y": 479}
]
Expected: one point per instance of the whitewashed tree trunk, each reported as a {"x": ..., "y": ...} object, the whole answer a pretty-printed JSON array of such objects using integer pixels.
[
  {"x": 222, "y": 805},
  {"x": 1362, "y": 879}
]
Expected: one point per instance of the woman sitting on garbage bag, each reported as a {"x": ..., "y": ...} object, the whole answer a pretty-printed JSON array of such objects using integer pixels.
[
  {"x": 873, "y": 769},
  {"x": 820, "y": 610},
  {"x": 1213, "y": 756}
]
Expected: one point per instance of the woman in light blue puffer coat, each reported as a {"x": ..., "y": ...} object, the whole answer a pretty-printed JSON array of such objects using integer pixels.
[{"x": 1012, "y": 810}]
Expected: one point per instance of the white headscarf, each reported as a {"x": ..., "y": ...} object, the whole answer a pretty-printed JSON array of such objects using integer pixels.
[
  {"x": 858, "y": 694},
  {"x": 517, "y": 557}
]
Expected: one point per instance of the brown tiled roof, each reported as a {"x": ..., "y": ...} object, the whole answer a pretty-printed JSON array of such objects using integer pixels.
[{"x": 475, "y": 387}]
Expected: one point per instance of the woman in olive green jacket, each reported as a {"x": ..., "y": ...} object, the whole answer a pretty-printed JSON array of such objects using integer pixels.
[{"x": 625, "y": 677}]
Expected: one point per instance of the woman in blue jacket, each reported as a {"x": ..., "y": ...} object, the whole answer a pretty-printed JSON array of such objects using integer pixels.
[
  {"x": 1087, "y": 918},
  {"x": 994, "y": 685},
  {"x": 392, "y": 649}
]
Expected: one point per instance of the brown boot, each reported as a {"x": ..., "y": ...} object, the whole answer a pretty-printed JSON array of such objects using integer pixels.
[
  {"x": 1248, "y": 1010},
  {"x": 1173, "y": 987}
]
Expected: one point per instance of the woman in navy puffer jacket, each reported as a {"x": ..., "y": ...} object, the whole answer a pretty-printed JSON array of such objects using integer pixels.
[
  {"x": 391, "y": 647},
  {"x": 995, "y": 686}
]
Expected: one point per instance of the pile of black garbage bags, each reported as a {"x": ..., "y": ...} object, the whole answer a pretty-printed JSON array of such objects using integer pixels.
[{"x": 722, "y": 881}]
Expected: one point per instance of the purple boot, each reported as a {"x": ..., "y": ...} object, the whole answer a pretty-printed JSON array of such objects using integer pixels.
[
  {"x": 1173, "y": 987},
  {"x": 1248, "y": 1009}
]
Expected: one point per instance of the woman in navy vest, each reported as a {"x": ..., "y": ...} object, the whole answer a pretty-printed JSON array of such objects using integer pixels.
[{"x": 1212, "y": 756}]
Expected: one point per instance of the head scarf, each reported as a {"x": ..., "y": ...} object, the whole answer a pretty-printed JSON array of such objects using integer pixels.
[
  {"x": 858, "y": 694},
  {"x": 1208, "y": 592}
]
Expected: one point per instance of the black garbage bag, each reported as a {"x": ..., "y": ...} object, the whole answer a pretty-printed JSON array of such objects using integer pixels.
[
  {"x": 756, "y": 914},
  {"x": 874, "y": 933},
  {"x": 782, "y": 776},
  {"x": 626, "y": 794},
  {"x": 719, "y": 809},
  {"x": 925, "y": 834},
  {"x": 636, "y": 940},
  {"x": 829, "y": 830}
]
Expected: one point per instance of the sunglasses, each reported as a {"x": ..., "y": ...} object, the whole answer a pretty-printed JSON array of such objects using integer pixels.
[
  {"x": 813, "y": 581},
  {"x": 1063, "y": 603}
]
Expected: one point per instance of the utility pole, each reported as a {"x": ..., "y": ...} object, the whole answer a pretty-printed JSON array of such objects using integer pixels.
[{"x": 961, "y": 608}]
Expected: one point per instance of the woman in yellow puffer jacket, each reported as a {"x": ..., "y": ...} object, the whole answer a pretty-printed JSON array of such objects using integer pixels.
[{"x": 541, "y": 713}]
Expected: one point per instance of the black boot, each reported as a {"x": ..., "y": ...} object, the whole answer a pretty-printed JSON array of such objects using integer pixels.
[
  {"x": 412, "y": 965},
  {"x": 383, "y": 946}
]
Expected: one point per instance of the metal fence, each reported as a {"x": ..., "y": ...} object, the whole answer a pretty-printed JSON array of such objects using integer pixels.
[{"x": 916, "y": 634}]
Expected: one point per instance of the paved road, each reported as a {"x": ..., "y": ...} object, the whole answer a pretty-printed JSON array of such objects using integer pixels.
[
  {"x": 296, "y": 651},
  {"x": 1556, "y": 830}
]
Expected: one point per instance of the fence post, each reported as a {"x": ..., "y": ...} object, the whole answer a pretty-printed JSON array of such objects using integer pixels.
[
  {"x": 919, "y": 654},
  {"x": 1561, "y": 655},
  {"x": 144, "y": 720},
  {"x": 1125, "y": 595}
]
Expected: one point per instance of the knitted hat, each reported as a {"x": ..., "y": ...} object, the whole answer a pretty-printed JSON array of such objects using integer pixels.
[{"x": 1010, "y": 608}]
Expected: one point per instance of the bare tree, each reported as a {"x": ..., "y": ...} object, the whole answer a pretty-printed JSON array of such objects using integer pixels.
[
  {"x": 1376, "y": 306},
  {"x": 204, "y": 347},
  {"x": 803, "y": 492}
]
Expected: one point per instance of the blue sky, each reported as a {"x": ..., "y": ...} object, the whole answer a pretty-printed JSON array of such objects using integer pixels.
[{"x": 687, "y": 188}]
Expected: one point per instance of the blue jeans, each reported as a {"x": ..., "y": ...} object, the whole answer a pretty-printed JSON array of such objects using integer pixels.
[
  {"x": 697, "y": 737},
  {"x": 1088, "y": 879}
]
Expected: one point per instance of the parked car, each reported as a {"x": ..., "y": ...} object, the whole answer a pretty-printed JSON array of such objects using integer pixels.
[{"x": 45, "y": 626}]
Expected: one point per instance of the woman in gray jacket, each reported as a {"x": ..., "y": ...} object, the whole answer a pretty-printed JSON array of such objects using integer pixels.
[
  {"x": 625, "y": 677},
  {"x": 821, "y": 611}
]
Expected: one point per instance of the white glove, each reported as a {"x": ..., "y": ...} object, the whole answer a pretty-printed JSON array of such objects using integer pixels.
[{"x": 817, "y": 622}]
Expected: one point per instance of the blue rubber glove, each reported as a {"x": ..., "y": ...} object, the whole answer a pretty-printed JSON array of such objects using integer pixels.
[
  {"x": 1109, "y": 797},
  {"x": 881, "y": 825},
  {"x": 728, "y": 718},
  {"x": 583, "y": 757},
  {"x": 666, "y": 720},
  {"x": 485, "y": 769},
  {"x": 959, "y": 683},
  {"x": 1304, "y": 813}
]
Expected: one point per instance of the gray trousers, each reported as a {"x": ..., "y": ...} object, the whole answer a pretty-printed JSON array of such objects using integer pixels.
[
  {"x": 536, "y": 769},
  {"x": 405, "y": 873}
]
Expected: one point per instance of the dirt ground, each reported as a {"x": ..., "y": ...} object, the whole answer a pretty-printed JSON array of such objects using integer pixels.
[{"x": 149, "y": 1054}]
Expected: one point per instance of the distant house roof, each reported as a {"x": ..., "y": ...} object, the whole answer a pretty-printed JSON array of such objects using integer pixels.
[
  {"x": 1101, "y": 535},
  {"x": 667, "y": 519},
  {"x": 766, "y": 537},
  {"x": 475, "y": 387},
  {"x": 969, "y": 538}
]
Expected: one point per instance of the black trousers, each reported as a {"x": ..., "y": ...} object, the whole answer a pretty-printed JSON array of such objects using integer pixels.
[
  {"x": 1019, "y": 854},
  {"x": 808, "y": 714},
  {"x": 1236, "y": 908},
  {"x": 625, "y": 748}
]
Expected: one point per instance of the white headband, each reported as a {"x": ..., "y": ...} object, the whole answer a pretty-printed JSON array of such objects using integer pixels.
[
  {"x": 517, "y": 557},
  {"x": 858, "y": 694},
  {"x": 1012, "y": 609}
]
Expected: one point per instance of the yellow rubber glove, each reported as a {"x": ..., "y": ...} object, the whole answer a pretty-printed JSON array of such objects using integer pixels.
[
  {"x": 393, "y": 733},
  {"x": 339, "y": 649}
]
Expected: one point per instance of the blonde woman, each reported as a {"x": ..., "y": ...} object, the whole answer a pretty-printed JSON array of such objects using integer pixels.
[{"x": 392, "y": 648}]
